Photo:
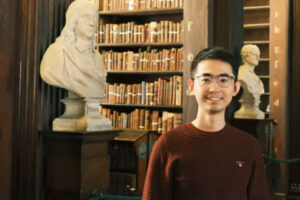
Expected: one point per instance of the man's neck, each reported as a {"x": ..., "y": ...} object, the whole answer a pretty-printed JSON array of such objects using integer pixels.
[{"x": 209, "y": 122}]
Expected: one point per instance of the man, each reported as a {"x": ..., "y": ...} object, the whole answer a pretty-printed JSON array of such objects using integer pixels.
[{"x": 207, "y": 159}]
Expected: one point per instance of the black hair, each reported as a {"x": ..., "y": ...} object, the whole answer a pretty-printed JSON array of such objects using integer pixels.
[{"x": 217, "y": 54}]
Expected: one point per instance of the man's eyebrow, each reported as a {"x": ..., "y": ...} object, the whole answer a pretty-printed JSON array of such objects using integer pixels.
[
  {"x": 206, "y": 74},
  {"x": 224, "y": 74}
]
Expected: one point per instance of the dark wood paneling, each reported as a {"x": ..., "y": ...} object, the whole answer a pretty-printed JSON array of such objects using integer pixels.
[
  {"x": 279, "y": 87},
  {"x": 8, "y": 64},
  {"x": 295, "y": 95},
  {"x": 196, "y": 38}
]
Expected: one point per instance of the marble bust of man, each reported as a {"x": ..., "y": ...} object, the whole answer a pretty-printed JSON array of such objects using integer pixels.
[
  {"x": 252, "y": 85},
  {"x": 72, "y": 62}
]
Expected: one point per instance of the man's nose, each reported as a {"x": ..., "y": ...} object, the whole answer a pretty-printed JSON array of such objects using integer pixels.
[{"x": 213, "y": 86}]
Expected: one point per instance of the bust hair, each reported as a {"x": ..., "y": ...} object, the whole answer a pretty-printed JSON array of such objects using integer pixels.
[
  {"x": 214, "y": 54},
  {"x": 249, "y": 49}
]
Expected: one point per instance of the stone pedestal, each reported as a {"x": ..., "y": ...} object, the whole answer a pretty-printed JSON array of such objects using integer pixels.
[
  {"x": 81, "y": 114},
  {"x": 249, "y": 112}
]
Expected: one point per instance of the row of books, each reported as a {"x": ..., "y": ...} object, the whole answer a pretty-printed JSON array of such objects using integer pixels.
[
  {"x": 160, "y": 92},
  {"x": 154, "y": 60},
  {"x": 153, "y": 32},
  {"x": 160, "y": 121},
  {"x": 122, "y": 5}
]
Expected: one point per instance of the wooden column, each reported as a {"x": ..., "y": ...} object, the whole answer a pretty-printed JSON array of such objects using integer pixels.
[
  {"x": 209, "y": 23},
  {"x": 279, "y": 87},
  {"x": 8, "y": 69}
]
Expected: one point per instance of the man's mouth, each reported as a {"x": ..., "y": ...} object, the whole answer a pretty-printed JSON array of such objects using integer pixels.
[{"x": 214, "y": 98}]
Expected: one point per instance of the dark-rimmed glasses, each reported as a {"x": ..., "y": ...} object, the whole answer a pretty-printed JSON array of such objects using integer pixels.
[{"x": 223, "y": 80}]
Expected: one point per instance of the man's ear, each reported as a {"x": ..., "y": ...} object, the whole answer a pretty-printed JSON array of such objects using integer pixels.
[
  {"x": 236, "y": 89},
  {"x": 190, "y": 90}
]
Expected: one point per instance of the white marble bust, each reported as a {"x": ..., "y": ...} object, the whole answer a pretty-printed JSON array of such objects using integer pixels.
[
  {"x": 252, "y": 85},
  {"x": 72, "y": 62}
]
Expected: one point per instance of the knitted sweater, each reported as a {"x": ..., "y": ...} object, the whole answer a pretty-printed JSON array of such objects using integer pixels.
[{"x": 190, "y": 164}]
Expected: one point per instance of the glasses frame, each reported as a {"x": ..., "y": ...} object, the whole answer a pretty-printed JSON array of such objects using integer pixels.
[{"x": 216, "y": 78}]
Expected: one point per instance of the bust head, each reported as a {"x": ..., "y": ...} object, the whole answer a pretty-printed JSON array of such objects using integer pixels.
[
  {"x": 81, "y": 21},
  {"x": 250, "y": 54}
]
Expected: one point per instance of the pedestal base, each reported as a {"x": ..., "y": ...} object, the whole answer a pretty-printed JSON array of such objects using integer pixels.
[
  {"x": 249, "y": 113},
  {"x": 76, "y": 164},
  {"x": 81, "y": 115}
]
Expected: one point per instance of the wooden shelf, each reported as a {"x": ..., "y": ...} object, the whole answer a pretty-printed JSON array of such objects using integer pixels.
[
  {"x": 178, "y": 44},
  {"x": 257, "y": 42},
  {"x": 142, "y": 12},
  {"x": 143, "y": 106},
  {"x": 265, "y": 77},
  {"x": 266, "y": 94},
  {"x": 146, "y": 72},
  {"x": 264, "y": 59},
  {"x": 260, "y": 25},
  {"x": 256, "y": 8}
]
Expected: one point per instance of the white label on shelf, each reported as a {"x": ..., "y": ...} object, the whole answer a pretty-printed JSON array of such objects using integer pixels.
[
  {"x": 275, "y": 83},
  {"x": 276, "y": 103},
  {"x": 276, "y": 14},
  {"x": 189, "y": 25},
  {"x": 276, "y": 29},
  {"x": 277, "y": 50},
  {"x": 190, "y": 57},
  {"x": 276, "y": 64}
]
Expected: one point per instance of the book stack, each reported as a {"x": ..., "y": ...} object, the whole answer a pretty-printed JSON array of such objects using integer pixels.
[
  {"x": 144, "y": 119},
  {"x": 123, "y": 5},
  {"x": 160, "y": 92},
  {"x": 130, "y": 32},
  {"x": 151, "y": 60}
]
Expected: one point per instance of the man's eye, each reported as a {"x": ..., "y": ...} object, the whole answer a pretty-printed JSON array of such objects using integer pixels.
[
  {"x": 205, "y": 80},
  {"x": 224, "y": 80}
]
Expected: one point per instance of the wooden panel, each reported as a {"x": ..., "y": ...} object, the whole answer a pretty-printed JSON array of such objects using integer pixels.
[
  {"x": 278, "y": 85},
  {"x": 256, "y": 34},
  {"x": 196, "y": 37},
  {"x": 295, "y": 95},
  {"x": 256, "y": 16},
  {"x": 256, "y": 2},
  {"x": 8, "y": 70}
]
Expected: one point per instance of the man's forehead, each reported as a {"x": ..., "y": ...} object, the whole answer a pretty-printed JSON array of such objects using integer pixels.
[{"x": 214, "y": 67}]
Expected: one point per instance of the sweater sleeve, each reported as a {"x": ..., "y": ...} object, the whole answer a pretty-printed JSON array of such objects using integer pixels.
[
  {"x": 158, "y": 183},
  {"x": 258, "y": 188}
]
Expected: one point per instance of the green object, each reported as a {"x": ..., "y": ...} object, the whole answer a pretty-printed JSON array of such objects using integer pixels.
[{"x": 281, "y": 160}]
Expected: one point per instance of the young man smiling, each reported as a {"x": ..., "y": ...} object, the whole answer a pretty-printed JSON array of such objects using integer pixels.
[{"x": 207, "y": 159}]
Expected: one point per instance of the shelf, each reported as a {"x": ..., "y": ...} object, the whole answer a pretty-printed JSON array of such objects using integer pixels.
[
  {"x": 266, "y": 77},
  {"x": 178, "y": 44},
  {"x": 142, "y": 12},
  {"x": 257, "y": 42},
  {"x": 142, "y": 106},
  {"x": 266, "y": 94},
  {"x": 256, "y": 8},
  {"x": 264, "y": 59},
  {"x": 260, "y": 25},
  {"x": 146, "y": 72}
]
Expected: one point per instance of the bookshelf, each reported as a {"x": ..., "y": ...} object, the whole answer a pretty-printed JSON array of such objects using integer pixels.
[
  {"x": 256, "y": 31},
  {"x": 142, "y": 46}
]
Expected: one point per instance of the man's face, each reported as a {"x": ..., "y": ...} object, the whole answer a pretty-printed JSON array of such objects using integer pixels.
[
  {"x": 86, "y": 24},
  {"x": 213, "y": 98}
]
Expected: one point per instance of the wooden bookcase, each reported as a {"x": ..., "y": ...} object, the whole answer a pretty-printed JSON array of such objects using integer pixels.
[{"x": 256, "y": 31}]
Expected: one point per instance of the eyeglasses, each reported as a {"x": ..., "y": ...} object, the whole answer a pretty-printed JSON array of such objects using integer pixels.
[{"x": 223, "y": 80}]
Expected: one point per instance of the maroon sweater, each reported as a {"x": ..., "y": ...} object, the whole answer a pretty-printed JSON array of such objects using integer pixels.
[{"x": 190, "y": 164}]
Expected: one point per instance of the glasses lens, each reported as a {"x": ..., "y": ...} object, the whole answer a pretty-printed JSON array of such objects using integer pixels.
[{"x": 224, "y": 81}]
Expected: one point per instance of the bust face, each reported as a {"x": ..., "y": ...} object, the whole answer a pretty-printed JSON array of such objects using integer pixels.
[
  {"x": 253, "y": 58},
  {"x": 87, "y": 23}
]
